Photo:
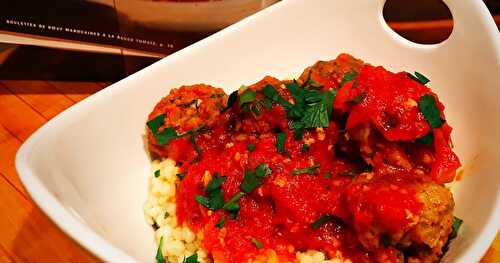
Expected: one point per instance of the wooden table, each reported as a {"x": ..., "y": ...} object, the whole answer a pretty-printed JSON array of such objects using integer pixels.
[{"x": 26, "y": 234}]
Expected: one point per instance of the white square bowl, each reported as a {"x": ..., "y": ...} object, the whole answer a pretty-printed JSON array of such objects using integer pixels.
[{"x": 88, "y": 168}]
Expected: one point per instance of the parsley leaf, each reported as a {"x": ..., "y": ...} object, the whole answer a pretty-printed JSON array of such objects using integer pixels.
[
  {"x": 272, "y": 94},
  {"x": 250, "y": 182},
  {"x": 251, "y": 147},
  {"x": 155, "y": 123},
  {"x": 253, "y": 179},
  {"x": 231, "y": 100},
  {"x": 348, "y": 77},
  {"x": 159, "y": 253},
  {"x": 247, "y": 96},
  {"x": 157, "y": 173},
  {"x": 298, "y": 133},
  {"x": 165, "y": 136},
  {"x": 220, "y": 223},
  {"x": 204, "y": 201},
  {"x": 428, "y": 107},
  {"x": 308, "y": 170},
  {"x": 215, "y": 199},
  {"x": 312, "y": 108},
  {"x": 280, "y": 141},
  {"x": 191, "y": 259},
  {"x": 457, "y": 223},
  {"x": 232, "y": 204},
  {"x": 320, "y": 221},
  {"x": 316, "y": 116},
  {"x": 256, "y": 243},
  {"x": 421, "y": 78},
  {"x": 215, "y": 183},
  {"x": 418, "y": 77},
  {"x": 263, "y": 170}
]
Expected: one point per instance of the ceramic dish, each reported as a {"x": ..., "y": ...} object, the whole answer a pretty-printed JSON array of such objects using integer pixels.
[
  {"x": 88, "y": 167},
  {"x": 201, "y": 16}
]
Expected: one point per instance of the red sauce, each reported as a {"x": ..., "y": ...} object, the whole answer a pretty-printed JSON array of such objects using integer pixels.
[{"x": 281, "y": 211}]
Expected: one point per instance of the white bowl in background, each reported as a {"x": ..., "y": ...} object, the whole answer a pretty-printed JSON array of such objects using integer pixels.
[
  {"x": 201, "y": 16},
  {"x": 88, "y": 168}
]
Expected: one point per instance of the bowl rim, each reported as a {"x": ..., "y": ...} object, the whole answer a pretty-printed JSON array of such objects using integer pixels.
[{"x": 99, "y": 246}]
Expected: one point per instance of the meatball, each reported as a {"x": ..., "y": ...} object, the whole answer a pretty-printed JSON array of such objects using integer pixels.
[
  {"x": 401, "y": 212},
  {"x": 434, "y": 225},
  {"x": 330, "y": 73},
  {"x": 185, "y": 109},
  {"x": 258, "y": 116}
]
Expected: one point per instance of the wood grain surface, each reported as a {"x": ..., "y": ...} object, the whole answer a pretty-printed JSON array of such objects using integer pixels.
[{"x": 26, "y": 234}]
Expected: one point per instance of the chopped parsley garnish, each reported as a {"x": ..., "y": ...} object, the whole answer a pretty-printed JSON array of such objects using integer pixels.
[
  {"x": 247, "y": 96},
  {"x": 263, "y": 170},
  {"x": 181, "y": 175},
  {"x": 348, "y": 77},
  {"x": 256, "y": 243},
  {"x": 297, "y": 134},
  {"x": 272, "y": 94},
  {"x": 232, "y": 204},
  {"x": 327, "y": 175},
  {"x": 220, "y": 223},
  {"x": 320, "y": 221},
  {"x": 191, "y": 259},
  {"x": 421, "y": 78},
  {"x": 165, "y": 136},
  {"x": 312, "y": 108},
  {"x": 418, "y": 77},
  {"x": 428, "y": 107},
  {"x": 314, "y": 84},
  {"x": 167, "y": 214},
  {"x": 251, "y": 147},
  {"x": 280, "y": 141},
  {"x": 305, "y": 147},
  {"x": 215, "y": 197},
  {"x": 231, "y": 100},
  {"x": 308, "y": 170},
  {"x": 159, "y": 253},
  {"x": 457, "y": 222},
  {"x": 427, "y": 139},
  {"x": 316, "y": 116},
  {"x": 253, "y": 179},
  {"x": 157, "y": 173},
  {"x": 155, "y": 123}
]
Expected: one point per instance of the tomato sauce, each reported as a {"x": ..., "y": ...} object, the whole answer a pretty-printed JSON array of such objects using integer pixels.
[{"x": 324, "y": 188}]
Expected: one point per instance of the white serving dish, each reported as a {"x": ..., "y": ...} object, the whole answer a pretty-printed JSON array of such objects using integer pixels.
[{"x": 88, "y": 168}]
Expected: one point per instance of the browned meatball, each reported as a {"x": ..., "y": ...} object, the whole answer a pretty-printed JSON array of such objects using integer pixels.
[
  {"x": 259, "y": 117},
  {"x": 330, "y": 73},
  {"x": 434, "y": 225},
  {"x": 401, "y": 212},
  {"x": 184, "y": 109}
]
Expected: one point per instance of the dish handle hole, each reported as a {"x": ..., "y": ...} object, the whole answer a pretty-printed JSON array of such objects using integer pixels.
[{"x": 422, "y": 22}]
